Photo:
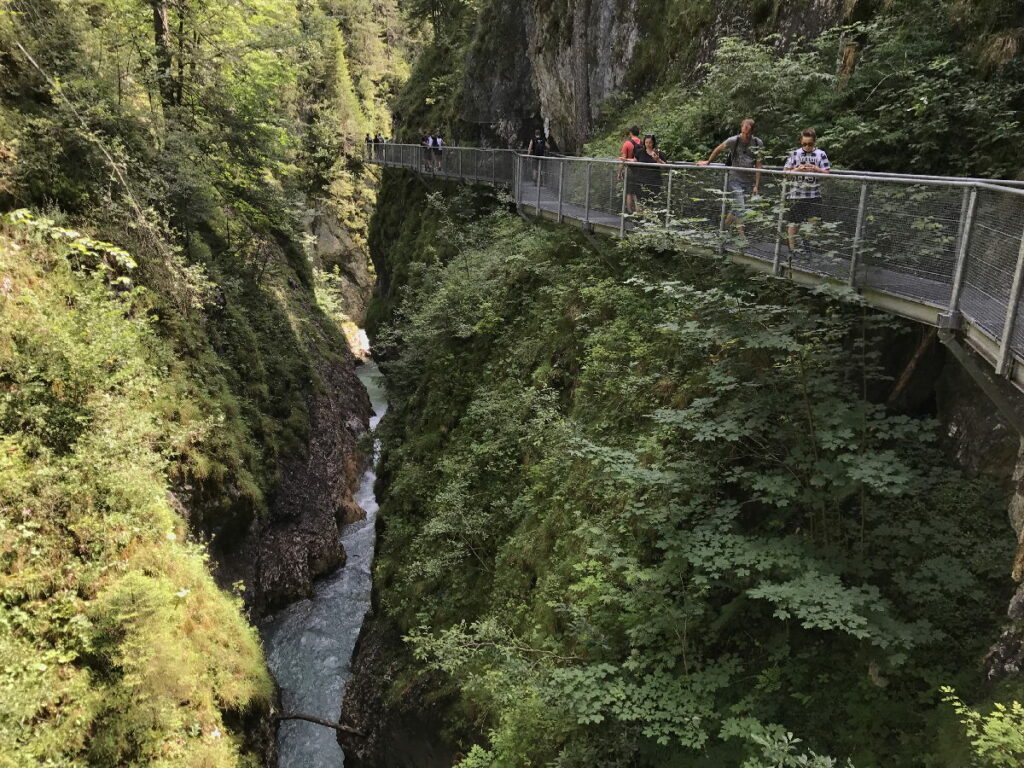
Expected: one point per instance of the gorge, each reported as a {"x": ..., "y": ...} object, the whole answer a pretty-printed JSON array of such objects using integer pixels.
[{"x": 637, "y": 507}]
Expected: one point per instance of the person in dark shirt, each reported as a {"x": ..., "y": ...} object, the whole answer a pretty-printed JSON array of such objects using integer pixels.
[
  {"x": 537, "y": 147},
  {"x": 647, "y": 174},
  {"x": 425, "y": 141},
  {"x": 538, "y": 144}
]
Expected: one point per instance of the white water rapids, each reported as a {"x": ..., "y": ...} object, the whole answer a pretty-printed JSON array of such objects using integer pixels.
[{"x": 309, "y": 644}]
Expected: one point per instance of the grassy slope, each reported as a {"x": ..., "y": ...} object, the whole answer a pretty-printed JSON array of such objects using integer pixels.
[
  {"x": 145, "y": 408},
  {"x": 118, "y": 647}
]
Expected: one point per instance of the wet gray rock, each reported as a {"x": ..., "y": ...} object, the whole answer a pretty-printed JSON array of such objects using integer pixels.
[{"x": 279, "y": 558}]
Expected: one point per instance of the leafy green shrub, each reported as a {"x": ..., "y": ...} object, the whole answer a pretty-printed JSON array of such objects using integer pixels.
[{"x": 997, "y": 737}]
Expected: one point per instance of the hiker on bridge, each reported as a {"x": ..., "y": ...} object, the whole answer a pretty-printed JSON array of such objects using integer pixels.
[
  {"x": 437, "y": 146},
  {"x": 626, "y": 155},
  {"x": 647, "y": 175},
  {"x": 804, "y": 194},
  {"x": 745, "y": 151},
  {"x": 426, "y": 140},
  {"x": 538, "y": 147}
]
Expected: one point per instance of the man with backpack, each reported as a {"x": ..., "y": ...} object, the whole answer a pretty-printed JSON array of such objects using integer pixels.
[
  {"x": 745, "y": 150},
  {"x": 538, "y": 147}
]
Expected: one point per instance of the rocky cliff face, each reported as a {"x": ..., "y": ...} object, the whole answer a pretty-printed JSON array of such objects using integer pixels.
[
  {"x": 337, "y": 226},
  {"x": 278, "y": 558},
  {"x": 498, "y": 89},
  {"x": 561, "y": 61},
  {"x": 405, "y": 733},
  {"x": 581, "y": 54}
]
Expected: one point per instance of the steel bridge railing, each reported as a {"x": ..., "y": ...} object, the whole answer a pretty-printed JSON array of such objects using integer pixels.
[{"x": 946, "y": 251}]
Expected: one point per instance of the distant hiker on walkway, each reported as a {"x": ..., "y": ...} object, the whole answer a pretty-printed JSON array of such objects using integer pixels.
[
  {"x": 804, "y": 193},
  {"x": 745, "y": 151},
  {"x": 647, "y": 155},
  {"x": 437, "y": 147},
  {"x": 426, "y": 140},
  {"x": 538, "y": 147},
  {"x": 626, "y": 154},
  {"x": 369, "y": 141}
]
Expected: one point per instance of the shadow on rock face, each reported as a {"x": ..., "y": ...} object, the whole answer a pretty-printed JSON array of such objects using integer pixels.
[{"x": 403, "y": 731}]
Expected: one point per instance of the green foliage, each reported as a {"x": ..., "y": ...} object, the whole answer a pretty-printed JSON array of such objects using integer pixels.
[
  {"x": 636, "y": 507},
  {"x": 132, "y": 386},
  {"x": 997, "y": 737},
  {"x": 910, "y": 103},
  {"x": 118, "y": 647}
]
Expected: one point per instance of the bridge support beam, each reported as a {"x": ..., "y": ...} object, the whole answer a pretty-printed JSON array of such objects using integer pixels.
[
  {"x": 998, "y": 390},
  {"x": 777, "y": 256},
  {"x": 858, "y": 234},
  {"x": 966, "y": 220},
  {"x": 586, "y": 200}
]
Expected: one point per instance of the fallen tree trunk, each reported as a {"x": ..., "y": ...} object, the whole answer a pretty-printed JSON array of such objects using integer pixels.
[{"x": 320, "y": 721}]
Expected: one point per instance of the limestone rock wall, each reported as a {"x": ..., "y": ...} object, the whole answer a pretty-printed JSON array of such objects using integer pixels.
[
  {"x": 280, "y": 557},
  {"x": 558, "y": 61}
]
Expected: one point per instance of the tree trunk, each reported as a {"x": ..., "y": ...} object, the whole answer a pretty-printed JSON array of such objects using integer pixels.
[{"x": 164, "y": 62}]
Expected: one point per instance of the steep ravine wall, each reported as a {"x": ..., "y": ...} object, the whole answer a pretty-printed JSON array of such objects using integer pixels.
[
  {"x": 560, "y": 62},
  {"x": 279, "y": 557}
]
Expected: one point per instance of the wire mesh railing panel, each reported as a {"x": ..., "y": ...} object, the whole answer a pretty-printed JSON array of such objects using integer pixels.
[
  {"x": 993, "y": 246},
  {"x": 574, "y": 188},
  {"x": 910, "y": 240},
  {"x": 605, "y": 184},
  {"x": 752, "y": 221},
  {"x": 487, "y": 160},
  {"x": 646, "y": 191},
  {"x": 1017, "y": 333},
  {"x": 506, "y": 167},
  {"x": 696, "y": 203},
  {"x": 818, "y": 224}
]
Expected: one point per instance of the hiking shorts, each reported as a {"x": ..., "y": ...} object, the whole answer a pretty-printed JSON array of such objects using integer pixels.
[
  {"x": 804, "y": 209},
  {"x": 740, "y": 191}
]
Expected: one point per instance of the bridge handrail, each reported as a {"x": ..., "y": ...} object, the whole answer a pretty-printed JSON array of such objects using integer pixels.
[
  {"x": 909, "y": 178},
  {"x": 948, "y": 251}
]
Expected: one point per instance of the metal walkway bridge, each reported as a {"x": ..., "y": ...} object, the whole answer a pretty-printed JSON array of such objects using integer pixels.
[{"x": 944, "y": 251}]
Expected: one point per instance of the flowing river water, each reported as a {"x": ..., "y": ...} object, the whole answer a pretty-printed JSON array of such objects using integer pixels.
[{"x": 309, "y": 644}]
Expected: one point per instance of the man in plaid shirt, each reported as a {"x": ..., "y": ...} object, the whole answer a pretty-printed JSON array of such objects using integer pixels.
[{"x": 805, "y": 190}]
